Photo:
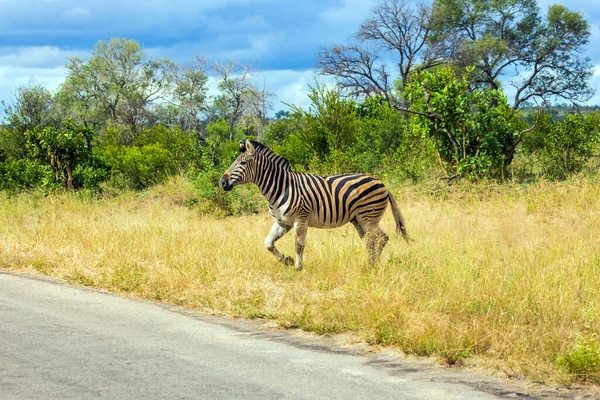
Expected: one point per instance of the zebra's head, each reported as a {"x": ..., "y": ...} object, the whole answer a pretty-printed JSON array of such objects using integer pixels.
[{"x": 242, "y": 169}]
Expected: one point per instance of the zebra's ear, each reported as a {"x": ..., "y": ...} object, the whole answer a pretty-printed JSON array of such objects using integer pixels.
[
  {"x": 242, "y": 146},
  {"x": 249, "y": 147}
]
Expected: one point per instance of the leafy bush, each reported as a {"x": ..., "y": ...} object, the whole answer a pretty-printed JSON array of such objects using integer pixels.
[
  {"x": 64, "y": 149},
  {"x": 330, "y": 123},
  {"x": 337, "y": 135},
  {"x": 24, "y": 174},
  {"x": 12, "y": 144},
  {"x": 157, "y": 153},
  {"x": 183, "y": 147},
  {"x": 583, "y": 362},
  {"x": 91, "y": 174},
  {"x": 564, "y": 147},
  {"x": 414, "y": 159},
  {"x": 215, "y": 201},
  {"x": 139, "y": 167},
  {"x": 471, "y": 128}
]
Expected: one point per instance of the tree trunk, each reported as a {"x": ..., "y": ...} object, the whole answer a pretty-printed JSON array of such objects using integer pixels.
[{"x": 69, "y": 177}]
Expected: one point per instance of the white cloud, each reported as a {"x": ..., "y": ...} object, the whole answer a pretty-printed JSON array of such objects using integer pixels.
[
  {"x": 351, "y": 12},
  {"x": 259, "y": 46},
  {"x": 290, "y": 86},
  {"x": 36, "y": 56},
  {"x": 78, "y": 12},
  {"x": 43, "y": 65},
  {"x": 13, "y": 77}
]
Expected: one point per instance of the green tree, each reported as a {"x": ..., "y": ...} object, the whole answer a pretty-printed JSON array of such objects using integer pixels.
[
  {"x": 277, "y": 131},
  {"x": 502, "y": 36},
  {"x": 191, "y": 96},
  {"x": 331, "y": 122},
  {"x": 471, "y": 129},
  {"x": 239, "y": 97},
  {"x": 183, "y": 148},
  {"x": 119, "y": 83},
  {"x": 33, "y": 108},
  {"x": 564, "y": 147},
  {"x": 63, "y": 148}
]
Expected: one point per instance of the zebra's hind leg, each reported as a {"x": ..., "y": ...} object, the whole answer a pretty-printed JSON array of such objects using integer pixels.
[
  {"x": 367, "y": 223},
  {"x": 359, "y": 229},
  {"x": 277, "y": 232},
  {"x": 376, "y": 238},
  {"x": 376, "y": 241}
]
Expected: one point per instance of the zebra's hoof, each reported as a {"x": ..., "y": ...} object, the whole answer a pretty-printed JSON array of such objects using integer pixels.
[
  {"x": 287, "y": 260},
  {"x": 299, "y": 268}
]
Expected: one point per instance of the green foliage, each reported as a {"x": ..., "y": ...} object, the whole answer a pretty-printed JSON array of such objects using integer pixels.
[
  {"x": 62, "y": 148},
  {"x": 91, "y": 174},
  {"x": 331, "y": 122},
  {"x": 391, "y": 141},
  {"x": 471, "y": 129},
  {"x": 191, "y": 96},
  {"x": 118, "y": 84},
  {"x": 156, "y": 154},
  {"x": 414, "y": 158},
  {"x": 33, "y": 108},
  {"x": 183, "y": 147},
  {"x": 139, "y": 167},
  {"x": 217, "y": 151},
  {"x": 564, "y": 147},
  {"x": 218, "y": 131},
  {"x": 277, "y": 132},
  {"x": 243, "y": 200},
  {"x": 24, "y": 174},
  {"x": 583, "y": 361},
  {"x": 501, "y": 35},
  {"x": 12, "y": 144},
  {"x": 135, "y": 120},
  {"x": 337, "y": 135}
]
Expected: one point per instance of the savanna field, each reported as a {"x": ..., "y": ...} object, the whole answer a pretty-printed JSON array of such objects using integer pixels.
[
  {"x": 500, "y": 277},
  {"x": 481, "y": 117}
]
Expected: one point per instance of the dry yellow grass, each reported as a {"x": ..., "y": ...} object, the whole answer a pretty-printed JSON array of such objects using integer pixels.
[{"x": 505, "y": 277}]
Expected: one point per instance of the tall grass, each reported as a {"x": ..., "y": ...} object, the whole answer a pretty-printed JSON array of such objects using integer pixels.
[{"x": 503, "y": 277}]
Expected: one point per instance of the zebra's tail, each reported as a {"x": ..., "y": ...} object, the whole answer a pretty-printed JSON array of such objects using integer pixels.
[{"x": 400, "y": 227}]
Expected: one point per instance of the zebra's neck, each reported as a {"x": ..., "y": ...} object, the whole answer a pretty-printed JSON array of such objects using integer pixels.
[{"x": 275, "y": 183}]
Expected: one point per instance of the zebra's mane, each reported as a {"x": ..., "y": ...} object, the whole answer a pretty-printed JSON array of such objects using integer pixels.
[{"x": 270, "y": 154}]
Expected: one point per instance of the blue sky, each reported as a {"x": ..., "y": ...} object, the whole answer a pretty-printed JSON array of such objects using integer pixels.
[{"x": 279, "y": 38}]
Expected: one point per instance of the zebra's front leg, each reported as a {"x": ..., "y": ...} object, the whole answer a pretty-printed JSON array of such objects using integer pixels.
[
  {"x": 277, "y": 232},
  {"x": 301, "y": 228}
]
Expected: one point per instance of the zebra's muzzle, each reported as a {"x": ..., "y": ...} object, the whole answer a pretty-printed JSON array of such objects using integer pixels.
[{"x": 226, "y": 185}]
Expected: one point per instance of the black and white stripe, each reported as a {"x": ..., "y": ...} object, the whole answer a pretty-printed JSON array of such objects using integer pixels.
[{"x": 303, "y": 200}]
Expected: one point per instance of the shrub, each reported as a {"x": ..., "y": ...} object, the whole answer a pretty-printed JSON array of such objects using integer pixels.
[
  {"x": 91, "y": 174},
  {"x": 243, "y": 199},
  {"x": 472, "y": 129},
  {"x": 24, "y": 174},
  {"x": 583, "y": 361},
  {"x": 63, "y": 149},
  {"x": 139, "y": 167},
  {"x": 330, "y": 123},
  {"x": 559, "y": 147},
  {"x": 566, "y": 146},
  {"x": 183, "y": 147}
]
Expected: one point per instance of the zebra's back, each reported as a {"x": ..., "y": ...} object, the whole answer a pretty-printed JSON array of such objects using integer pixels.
[{"x": 338, "y": 199}]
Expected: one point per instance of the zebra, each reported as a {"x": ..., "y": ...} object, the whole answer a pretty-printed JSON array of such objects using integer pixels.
[{"x": 302, "y": 200}]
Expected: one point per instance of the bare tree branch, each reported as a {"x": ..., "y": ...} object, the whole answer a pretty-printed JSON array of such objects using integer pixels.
[{"x": 399, "y": 30}]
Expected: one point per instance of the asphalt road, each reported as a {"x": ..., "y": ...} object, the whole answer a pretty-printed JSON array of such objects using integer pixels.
[{"x": 62, "y": 341}]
